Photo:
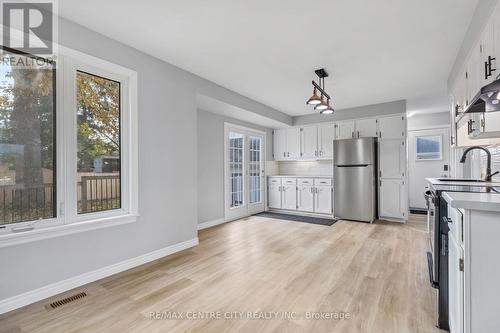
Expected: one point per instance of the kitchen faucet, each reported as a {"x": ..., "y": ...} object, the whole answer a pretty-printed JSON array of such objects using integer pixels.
[{"x": 488, "y": 161}]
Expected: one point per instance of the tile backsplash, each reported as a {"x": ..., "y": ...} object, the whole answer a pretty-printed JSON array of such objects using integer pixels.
[{"x": 306, "y": 168}]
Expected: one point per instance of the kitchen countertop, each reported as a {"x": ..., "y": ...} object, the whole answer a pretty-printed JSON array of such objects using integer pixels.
[
  {"x": 473, "y": 201},
  {"x": 299, "y": 176},
  {"x": 436, "y": 181}
]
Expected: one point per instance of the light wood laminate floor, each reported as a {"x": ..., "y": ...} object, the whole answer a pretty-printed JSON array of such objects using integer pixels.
[{"x": 375, "y": 273}]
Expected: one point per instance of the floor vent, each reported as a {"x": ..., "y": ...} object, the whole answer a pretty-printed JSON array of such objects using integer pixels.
[{"x": 67, "y": 300}]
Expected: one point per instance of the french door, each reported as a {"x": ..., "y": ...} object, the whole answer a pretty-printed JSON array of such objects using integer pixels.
[{"x": 244, "y": 158}]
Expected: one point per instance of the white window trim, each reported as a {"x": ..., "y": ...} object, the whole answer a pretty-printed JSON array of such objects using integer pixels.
[
  {"x": 440, "y": 158},
  {"x": 68, "y": 221}
]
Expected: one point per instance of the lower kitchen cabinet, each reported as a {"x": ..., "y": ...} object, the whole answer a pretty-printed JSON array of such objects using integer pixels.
[
  {"x": 392, "y": 199},
  {"x": 274, "y": 193},
  {"x": 309, "y": 195},
  {"x": 289, "y": 193},
  {"x": 305, "y": 194},
  {"x": 323, "y": 200}
]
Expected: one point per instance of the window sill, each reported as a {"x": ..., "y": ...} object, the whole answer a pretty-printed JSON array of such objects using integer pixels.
[{"x": 65, "y": 229}]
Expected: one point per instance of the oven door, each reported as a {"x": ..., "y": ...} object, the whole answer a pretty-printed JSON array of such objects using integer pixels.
[{"x": 431, "y": 213}]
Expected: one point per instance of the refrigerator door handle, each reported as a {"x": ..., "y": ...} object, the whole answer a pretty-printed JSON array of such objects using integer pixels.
[{"x": 352, "y": 165}]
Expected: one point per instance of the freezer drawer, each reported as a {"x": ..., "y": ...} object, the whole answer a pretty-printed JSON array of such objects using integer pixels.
[{"x": 354, "y": 196}]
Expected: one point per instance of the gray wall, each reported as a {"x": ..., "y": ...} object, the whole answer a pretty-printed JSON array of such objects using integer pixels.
[
  {"x": 167, "y": 173},
  {"x": 211, "y": 162},
  {"x": 353, "y": 113},
  {"x": 428, "y": 119}
]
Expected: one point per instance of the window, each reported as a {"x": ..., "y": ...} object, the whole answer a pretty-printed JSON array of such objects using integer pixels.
[
  {"x": 255, "y": 169},
  {"x": 428, "y": 148},
  {"x": 80, "y": 172},
  {"x": 27, "y": 140},
  {"x": 98, "y": 152},
  {"x": 236, "y": 168}
]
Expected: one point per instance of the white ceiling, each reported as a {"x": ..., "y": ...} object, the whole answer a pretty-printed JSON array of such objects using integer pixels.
[{"x": 375, "y": 50}]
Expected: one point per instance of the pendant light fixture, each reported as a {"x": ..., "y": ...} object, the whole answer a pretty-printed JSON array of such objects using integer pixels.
[{"x": 319, "y": 101}]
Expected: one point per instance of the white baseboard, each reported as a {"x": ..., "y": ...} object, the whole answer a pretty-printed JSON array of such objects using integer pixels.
[
  {"x": 209, "y": 224},
  {"x": 36, "y": 295}
]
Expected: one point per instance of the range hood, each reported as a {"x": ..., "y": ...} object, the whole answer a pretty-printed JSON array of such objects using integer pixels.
[{"x": 486, "y": 100}]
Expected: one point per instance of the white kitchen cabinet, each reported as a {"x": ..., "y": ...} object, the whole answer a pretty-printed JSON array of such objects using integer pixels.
[
  {"x": 392, "y": 159},
  {"x": 326, "y": 135},
  {"x": 274, "y": 192},
  {"x": 392, "y": 199},
  {"x": 487, "y": 53},
  {"x": 473, "y": 73},
  {"x": 309, "y": 142},
  {"x": 345, "y": 129},
  {"x": 323, "y": 200},
  {"x": 392, "y": 127},
  {"x": 279, "y": 144},
  {"x": 305, "y": 194},
  {"x": 487, "y": 125},
  {"x": 456, "y": 284},
  {"x": 293, "y": 143},
  {"x": 366, "y": 128},
  {"x": 289, "y": 193}
]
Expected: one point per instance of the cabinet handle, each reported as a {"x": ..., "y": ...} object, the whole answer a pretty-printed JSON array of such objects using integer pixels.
[
  {"x": 321, "y": 153},
  {"x": 486, "y": 76},
  {"x": 352, "y": 134},
  {"x": 358, "y": 134},
  {"x": 312, "y": 190},
  {"x": 488, "y": 68},
  {"x": 447, "y": 220},
  {"x": 284, "y": 154}
]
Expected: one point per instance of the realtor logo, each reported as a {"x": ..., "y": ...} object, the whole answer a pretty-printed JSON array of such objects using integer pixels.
[{"x": 28, "y": 26}]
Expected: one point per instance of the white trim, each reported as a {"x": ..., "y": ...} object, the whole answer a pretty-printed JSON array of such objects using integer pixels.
[
  {"x": 36, "y": 295},
  {"x": 210, "y": 224},
  {"x": 12, "y": 238},
  {"x": 301, "y": 213},
  {"x": 421, "y": 128}
]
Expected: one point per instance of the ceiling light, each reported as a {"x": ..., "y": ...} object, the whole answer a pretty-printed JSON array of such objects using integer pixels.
[
  {"x": 329, "y": 110},
  {"x": 322, "y": 106},
  {"x": 314, "y": 99},
  {"x": 319, "y": 102}
]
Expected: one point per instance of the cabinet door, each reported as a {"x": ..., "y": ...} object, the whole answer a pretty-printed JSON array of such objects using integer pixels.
[
  {"x": 274, "y": 196},
  {"x": 305, "y": 198},
  {"x": 326, "y": 135},
  {"x": 473, "y": 74},
  {"x": 366, "y": 128},
  {"x": 391, "y": 198},
  {"x": 392, "y": 158},
  {"x": 323, "y": 200},
  {"x": 279, "y": 145},
  {"x": 345, "y": 130},
  {"x": 391, "y": 127},
  {"x": 293, "y": 143},
  {"x": 289, "y": 195},
  {"x": 455, "y": 285},
  {"x": 491, "y": 122},
  {"x": 309, "y": 142},
  {"x": 487, "y": 70}
]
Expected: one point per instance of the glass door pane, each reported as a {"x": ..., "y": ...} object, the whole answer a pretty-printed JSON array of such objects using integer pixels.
[
  {"x": 255, "y": 166},
  {"x": 236, "y": 169}
]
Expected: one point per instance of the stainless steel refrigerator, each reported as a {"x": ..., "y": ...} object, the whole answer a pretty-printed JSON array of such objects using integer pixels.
[{"x": 355, "y": 179}]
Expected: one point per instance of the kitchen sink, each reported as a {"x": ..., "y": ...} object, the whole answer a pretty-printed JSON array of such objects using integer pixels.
[{"x": 461, "y": 180}]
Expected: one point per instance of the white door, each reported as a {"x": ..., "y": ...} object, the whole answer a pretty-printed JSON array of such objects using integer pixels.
[
  {"x": 323, "y": 200},
  {"x": 391, "y": 127},
  {"x": 274, "y": 193},
  {"x": 305, "y": 195},
  {"x": 366, "y": 128},
  {"x": 392, "y": 161},
  {"x": 309, "y": 142},
  {"x": 326, "y": 135},
  {"x": 244, "y": 172},
  {"x": 279, "y": 144},
  {"x": 293, "y": 143},
  {"x": 392, "y": 198},
  {"x": 429, "y": 157},
  {"x": 289, "y": 193},
  {"x": 345, "y": 130}
]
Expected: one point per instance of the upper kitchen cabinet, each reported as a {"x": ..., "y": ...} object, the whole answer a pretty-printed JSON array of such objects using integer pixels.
[
  {"x": 345, "y": 129},
  {"x": 473, "y": 73},
  {"x": 286, "y": 144},
  {"x": 309, "y": 142},
  {"x": 326, "y": 135},
  {"x": 366, "y": 128},
  {"x": 279, "y": 144},
  {"x": 392, "y": 127},
  {"x": 488, "y": 52},
  {"x": 293, "y": 143}
]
